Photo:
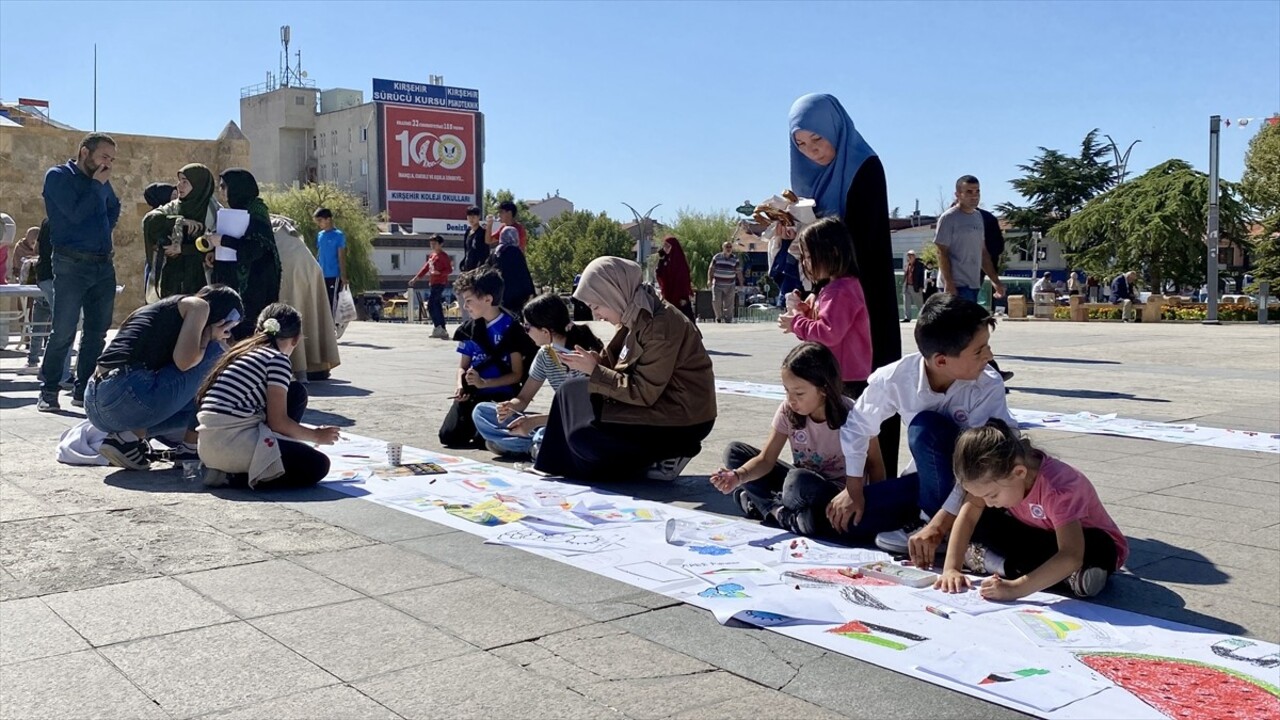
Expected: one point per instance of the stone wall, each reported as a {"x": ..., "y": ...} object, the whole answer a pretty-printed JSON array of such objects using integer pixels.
[{"x": 27, "y": 152}]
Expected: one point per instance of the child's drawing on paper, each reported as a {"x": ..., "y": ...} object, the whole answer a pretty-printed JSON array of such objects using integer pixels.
[{"x": 881, "y": 635}]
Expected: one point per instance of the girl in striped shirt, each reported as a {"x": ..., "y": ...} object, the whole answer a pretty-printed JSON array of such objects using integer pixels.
[
  {"x": 505, "y": 427},
  {"x": 249, "y": 430}
]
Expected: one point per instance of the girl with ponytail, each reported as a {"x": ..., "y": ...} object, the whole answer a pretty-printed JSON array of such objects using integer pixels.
[
  {"x": 250, "y": 408},
  {"x": 505, "y": 427}
]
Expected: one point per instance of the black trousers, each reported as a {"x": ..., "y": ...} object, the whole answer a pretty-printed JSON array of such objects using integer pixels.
[
  {"x": 304, "y": 466},
  {"x": 804, "y": 492},
  {"x": 577, "y": 445},
  {"x": 1025, "y": 548},
  {"x": 458, "y": 429}
]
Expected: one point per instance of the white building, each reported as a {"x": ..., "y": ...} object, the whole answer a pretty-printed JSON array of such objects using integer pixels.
[
  {"x": 299, "y": 135},
  {"x": 551, "y": 206}
]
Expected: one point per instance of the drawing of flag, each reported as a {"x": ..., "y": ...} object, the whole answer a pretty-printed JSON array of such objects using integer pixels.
[{"x": 1011, "y": 676}]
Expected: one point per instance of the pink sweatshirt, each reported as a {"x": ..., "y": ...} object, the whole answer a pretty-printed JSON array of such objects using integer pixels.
[{"x": 842, "y": 325}]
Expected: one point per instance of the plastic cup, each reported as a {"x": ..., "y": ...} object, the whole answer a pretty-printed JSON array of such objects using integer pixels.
[
  {"x": 792, "y": 301},
  {"x": 394, "y": 450}
]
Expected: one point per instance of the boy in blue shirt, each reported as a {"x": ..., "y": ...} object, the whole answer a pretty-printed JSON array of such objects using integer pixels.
[
  {"x": 495, "y": 350},
  {"x": 331, "y": 251}
]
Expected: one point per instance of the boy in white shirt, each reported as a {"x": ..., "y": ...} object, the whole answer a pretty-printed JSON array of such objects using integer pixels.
[{"x": 944, "y": 388}]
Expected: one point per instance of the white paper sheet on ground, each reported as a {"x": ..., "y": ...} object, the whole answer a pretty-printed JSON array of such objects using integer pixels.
[
  {"x": 574, "y": 542},
  {"x": 765, "y": 606},
  {"x": 720, "y": 569},
  {"x": 969, "y": 602},
  {"x": 803, "y": 551},
  {"x": 1049, "y": 628},
  {"x": 656, "y": 572},
  {"x": 1029, "y": 682},
  {"x": 714, "y": 531}
]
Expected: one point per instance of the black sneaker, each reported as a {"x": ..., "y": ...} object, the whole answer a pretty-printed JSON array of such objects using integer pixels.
[
  {"x": 1087, "y": 581},
  {"x": 125, "y": 454},
  {"x": 174, "y": 455},
  {"x": 749, "y": 509},
  {"x": 48, "y": 402}
]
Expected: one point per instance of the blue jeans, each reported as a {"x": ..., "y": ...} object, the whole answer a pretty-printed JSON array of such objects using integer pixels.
[
  {"x": 485, "y": 417},
  {"x": 80, "y": 285},
  {"x": 967, "y": 293},
  {"x": 896, "y": 501},
  {"x": 162, "y": 401},
  {"x": 435, "y": 305}
]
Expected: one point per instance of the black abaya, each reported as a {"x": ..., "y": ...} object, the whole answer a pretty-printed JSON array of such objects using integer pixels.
[{"x": 867, "y": 217}]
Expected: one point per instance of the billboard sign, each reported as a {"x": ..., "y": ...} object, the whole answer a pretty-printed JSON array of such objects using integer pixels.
[
  {"x": 421, "y": 95},
  {"x": 439, "y": 226},
  {"x": 431, "y": 160}
]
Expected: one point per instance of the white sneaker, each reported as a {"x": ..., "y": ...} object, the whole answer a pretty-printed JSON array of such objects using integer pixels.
[
  {"x": 894, "y": 541},
  {"x": 1087, "y": 582}
]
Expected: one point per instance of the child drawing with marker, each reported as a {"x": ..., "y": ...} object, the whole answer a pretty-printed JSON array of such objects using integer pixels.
[
  {"x": 1028, "y": 520},
  {"x": 505, "y": 426},
  {"x": 250, "y": 411},
  {"x": 809, "y": 420}
]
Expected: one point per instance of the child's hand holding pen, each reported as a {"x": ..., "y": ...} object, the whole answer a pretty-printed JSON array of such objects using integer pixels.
[{"x": 726, "y": 480}]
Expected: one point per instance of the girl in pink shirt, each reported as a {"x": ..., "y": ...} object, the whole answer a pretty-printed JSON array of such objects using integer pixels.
[
  {"x": 1029, "y": 520},
  {"x": 837, "y": 317}
]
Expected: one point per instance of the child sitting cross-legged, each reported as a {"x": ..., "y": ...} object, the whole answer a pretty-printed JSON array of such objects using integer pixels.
[
  {"x": 505, "y": 426},
  {"x": 1028, "y": 520},
  {"x": 810, "y": 420},
  {"x": 495, "y": 354}
]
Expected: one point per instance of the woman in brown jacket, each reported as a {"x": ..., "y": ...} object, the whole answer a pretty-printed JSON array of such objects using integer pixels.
[{"x": 648, "y": 400}]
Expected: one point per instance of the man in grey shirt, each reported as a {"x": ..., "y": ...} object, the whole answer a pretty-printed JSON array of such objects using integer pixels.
[{"x": 962, "y": 250}]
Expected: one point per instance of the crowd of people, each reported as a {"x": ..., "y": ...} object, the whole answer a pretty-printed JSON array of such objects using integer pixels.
[{"x": 208, "y": 361}]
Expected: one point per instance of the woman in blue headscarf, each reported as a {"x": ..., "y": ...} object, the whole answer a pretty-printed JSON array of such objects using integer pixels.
[{"x": 831, "y": 163}]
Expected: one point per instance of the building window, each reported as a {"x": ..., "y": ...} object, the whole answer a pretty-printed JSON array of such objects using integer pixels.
[
  {"x": 348, "y": 169},
  {"x": 1227, "y": 256},
  {"x": 299, "y": 100},
  {"x": 334, "y": 172},
  {"x": 395, "y": 261},
  {"x": 364, "y": 166},
  {"x": 364, "y": 134}
]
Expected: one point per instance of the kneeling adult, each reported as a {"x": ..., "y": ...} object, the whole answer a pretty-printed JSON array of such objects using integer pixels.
[
  {"x": 648, "y": 400},
  {"x": 146, "y": 380}
]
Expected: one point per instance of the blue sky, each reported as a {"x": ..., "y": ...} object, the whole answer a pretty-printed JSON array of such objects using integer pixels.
[{"x": 685, "y": 104}]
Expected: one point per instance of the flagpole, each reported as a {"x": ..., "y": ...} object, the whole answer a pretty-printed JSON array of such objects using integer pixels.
[
  {"x": 95, "y": 87},
  {"x": 1211, "y": 313}
]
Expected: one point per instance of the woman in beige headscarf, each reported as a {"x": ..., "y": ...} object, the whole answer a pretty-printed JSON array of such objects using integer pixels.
[{"x": 648, "y": 400}]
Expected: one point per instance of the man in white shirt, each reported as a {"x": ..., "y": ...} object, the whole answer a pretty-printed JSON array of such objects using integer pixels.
[{"x": 944, "y": 388}]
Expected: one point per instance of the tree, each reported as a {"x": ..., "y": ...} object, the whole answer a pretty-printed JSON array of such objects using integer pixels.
[
  {"x": 532, "y": 223},
  {"x": 1057, "y": 185},
  {"x": 702, "y": 234},
  {"x": 1260, "y": 188},
  {"x": 1154, "y": 224},
  {"x": 571, "y": 241},
  {"x": 349, "y": 216}
]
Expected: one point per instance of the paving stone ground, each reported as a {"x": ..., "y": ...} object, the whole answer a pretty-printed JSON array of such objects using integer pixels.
[{"x": 134, "y": 595}]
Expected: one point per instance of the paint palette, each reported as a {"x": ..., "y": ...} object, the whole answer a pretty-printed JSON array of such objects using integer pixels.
[{"x": 901, "y": 574}]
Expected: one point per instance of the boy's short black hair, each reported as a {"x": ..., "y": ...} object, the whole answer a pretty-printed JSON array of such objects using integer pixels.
[
  {"x": 322, "y": 213},
  {"x": 436, "y": 239},
  {"x": 508, "y": 206},
  {"x": 948, "y": 323},
  {"x": 473, "y": 211},
  {"x": 479, "y": 282}
]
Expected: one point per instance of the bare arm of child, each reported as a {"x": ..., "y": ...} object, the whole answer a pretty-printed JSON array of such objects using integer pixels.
[
  {"x": 1068, "y": 559},
  {"x": 510, "y": 407},
  {"x": 464, "y": 365},
  {"x": 953, "y": 579},
  {"x": 727, "y": 480},
  {"x": 281, "y": 424},
  {"x": 525, "y": 425},
  {"x": 511, "y": 378}
]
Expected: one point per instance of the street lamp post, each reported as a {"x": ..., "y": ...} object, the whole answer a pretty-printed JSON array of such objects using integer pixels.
[
  {"x": 642, "y": 245},
  {"x": 1122, "y": 161}
]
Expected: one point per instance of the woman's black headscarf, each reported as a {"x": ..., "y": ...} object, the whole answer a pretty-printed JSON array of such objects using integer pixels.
[{"x": 158, "y": 194}]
